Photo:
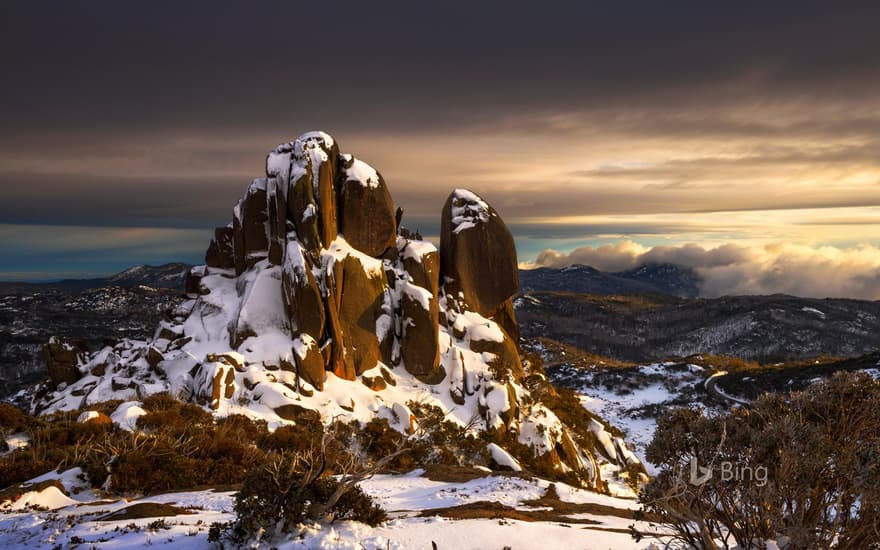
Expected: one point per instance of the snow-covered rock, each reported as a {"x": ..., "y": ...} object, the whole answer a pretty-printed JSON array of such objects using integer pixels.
[{"x": 291, "y": 311}]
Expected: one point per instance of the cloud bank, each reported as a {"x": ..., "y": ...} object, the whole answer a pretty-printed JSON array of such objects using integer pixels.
[{"x": 800, "y": 270}]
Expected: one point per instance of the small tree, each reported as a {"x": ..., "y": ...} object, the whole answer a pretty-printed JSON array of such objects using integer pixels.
[{"x": 803, "y": 469}]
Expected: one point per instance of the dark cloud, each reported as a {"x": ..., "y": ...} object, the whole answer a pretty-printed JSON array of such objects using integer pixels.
[
  {"x": 158, "y": 114},
  {"x": 118, "y": 201},
  {"x": 221, "y": 64}
]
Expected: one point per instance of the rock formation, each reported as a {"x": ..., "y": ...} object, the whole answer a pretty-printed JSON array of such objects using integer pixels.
[
  {"x": 314, "y": 297},
  {"x": 62, "y": 357},
  {"x": 350, "y": 287}
]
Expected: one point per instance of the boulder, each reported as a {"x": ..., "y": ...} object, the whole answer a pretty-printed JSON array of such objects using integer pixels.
[
  {"x": 301, "y": 293},
  {"x": 506, "y": 362},
  {"x": 94, "y": 417},
  {"x": 333, "y": 350},
  {"x": 231, "y": 358},
  {"x": 302, "y": 210},
  {"x": 254, "y": 222},
  {"x": 477, "y": 253},
  {"x": 180, "y": 373},
  {"x": 220, "y": 251},
  {"x": 238, "y": 239},
  {"x": 276, "y": 209},
  {"x": 262, "y": 308},
  {"x": 375, "y": 383},
  {"x": 215, "y": 382},
  {"x": 309, "y": 361},
  {"x": 498, "y": 405},
  {"x": 421, "y": 261},
  {"x": 192, "y": 281},
  {"x": 458, "y": 383},
  {"x": 326, "y": 196},
  {"x": 311, "y": 197},
  {"x": 405, "y": 418},
  {"x": 388, "y": 377},
  {"x": 154, "y": 357},
  {"x": 419, "y": 345},
  {"x": 298, "y": 414},
  {"x": 13, "y": 493},
  {"x": 505, "y": 316},
  {"x": 309, "y": 165},
  {"x": 366, "y": 209},
  {"x": 357, "y": 298},
  {"x": 62, "y": 355}
]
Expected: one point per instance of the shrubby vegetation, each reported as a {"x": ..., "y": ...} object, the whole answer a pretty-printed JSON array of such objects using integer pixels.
[
  {"x": 292, "y": 489},
  {"x": 306, "y": 471},
  {"x": 297, "y": 473},
  {"x": 802, "y": 469},
  {"x": 177, "y": 446}
]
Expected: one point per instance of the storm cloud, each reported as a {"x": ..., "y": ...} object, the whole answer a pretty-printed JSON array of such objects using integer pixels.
[{"x": 687, "y": 122}]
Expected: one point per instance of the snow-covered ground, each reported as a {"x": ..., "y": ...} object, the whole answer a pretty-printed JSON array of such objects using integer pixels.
[
  {"x": 631, "y": 399},
  {"x": 593, "y": 520}
]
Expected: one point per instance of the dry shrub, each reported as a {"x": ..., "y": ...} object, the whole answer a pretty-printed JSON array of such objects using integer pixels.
[
  {"x": 12, "y": 419},
  {"x": 180, "y": 448},
  {"x": 166, "y": 413},
  {"x": 378, "y": 439},
  {"x": 293, "y": 488},
  {"x": 292, "y": 438},
  {"x": 805, "y": 467}
]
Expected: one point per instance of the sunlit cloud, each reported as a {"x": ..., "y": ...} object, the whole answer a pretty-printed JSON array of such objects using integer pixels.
[{"x": 820, "y": 272}]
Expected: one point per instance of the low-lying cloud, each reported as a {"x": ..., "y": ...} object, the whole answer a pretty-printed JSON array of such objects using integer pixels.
[{"x": 785, "y": 268}]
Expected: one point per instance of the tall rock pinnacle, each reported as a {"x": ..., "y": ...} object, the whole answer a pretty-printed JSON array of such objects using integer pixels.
[{"x": 347, "y": 283}]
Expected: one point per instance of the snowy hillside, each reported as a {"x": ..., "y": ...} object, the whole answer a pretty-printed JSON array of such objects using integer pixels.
[{"x": 485, "y": 512}]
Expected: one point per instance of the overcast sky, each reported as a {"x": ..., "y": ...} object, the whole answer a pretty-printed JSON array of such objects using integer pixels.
[{"x": 129, "y": 130}]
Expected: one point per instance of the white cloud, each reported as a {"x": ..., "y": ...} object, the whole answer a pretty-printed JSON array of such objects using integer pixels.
[{"x": 799, "y": 270}]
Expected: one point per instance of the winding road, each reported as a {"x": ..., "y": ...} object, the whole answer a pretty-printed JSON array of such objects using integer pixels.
[{"x": 711, "y": 385}]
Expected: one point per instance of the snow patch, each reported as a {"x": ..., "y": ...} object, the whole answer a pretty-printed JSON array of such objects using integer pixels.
[
  {"x": 50, "y": 498},
  {"x": 503, "y": 458},
  {"x": 362, "y": 173},
  {"x": 125, "y": 416}
]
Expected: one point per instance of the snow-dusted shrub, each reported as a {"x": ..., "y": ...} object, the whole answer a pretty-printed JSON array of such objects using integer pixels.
[
  {"x": 164, "y": 413},
  {"x": 444, "y": 442},
  {"x": 292, "y": 489},
  {"x": 306, "y": 433},
  {"x": 377, "y": 439}
]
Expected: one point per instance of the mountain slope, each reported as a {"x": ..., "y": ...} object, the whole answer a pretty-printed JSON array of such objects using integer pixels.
[
  {"x": 32, "y": 314},
  {"x": 170, "y": 275},
  {"x": 650, "y": 328},
  {"x": 654, "y": 278}
]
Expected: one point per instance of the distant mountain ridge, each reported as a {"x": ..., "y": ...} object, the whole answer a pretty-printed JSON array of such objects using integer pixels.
[
  {"x": 170, "y": 275},
  {"x": 162, "y": 276},
  {"x": 581, "y": 279}
]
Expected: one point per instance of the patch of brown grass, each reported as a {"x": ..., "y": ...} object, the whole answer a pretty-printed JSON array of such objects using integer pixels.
[
  {"x": 559, "y": 511},
  {"x": 453, "y": 474},
  {"x": 143, "y": 510}
]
